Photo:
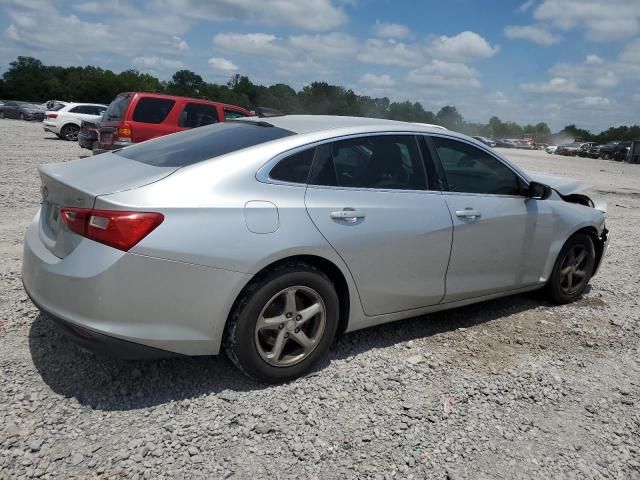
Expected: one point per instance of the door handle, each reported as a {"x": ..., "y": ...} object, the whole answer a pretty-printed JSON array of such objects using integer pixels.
[
  {"x": 347, "y": 214},
  {"x": 468, "y": 213}
]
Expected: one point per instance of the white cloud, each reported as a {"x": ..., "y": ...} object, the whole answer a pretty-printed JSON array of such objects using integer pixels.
[
  {"x": 464, "y": 46},
  {"x": 526, "y": 6},
  {"x": 602, "y": 19},
  {"x": 591, "y": 102},
  {"x": 157, "y": 62},
  {"x": 256, "y": 44},
  {"x": 390, "y": 52},
  {"x": 371, "y": 80},
  {"x": 222, "y": 64},
  {"x": 391, "y": 30},
  {"x": 559, "y": 85},
  {"x": 329, "y": 45},
  {"x": 533, "y": 33},
  {"x": 316, "y": 15},
  {"x": 498, "y": 97},
  {"x": 438, "y": 73},
  {"x": 179, "y": 43}
]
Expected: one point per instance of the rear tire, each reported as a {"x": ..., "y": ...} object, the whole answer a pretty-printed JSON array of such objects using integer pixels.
[
  {"x": 606, "y": 156},
  {"x": 572, "y": 270},
  {"x": 273, "y": 334},
  {"x": 70, "y": 132}
]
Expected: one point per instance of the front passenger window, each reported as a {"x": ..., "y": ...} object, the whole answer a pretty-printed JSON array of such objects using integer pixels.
[
  {"x": 470, "y": 170},
  {"x": 390, "y": 162}
]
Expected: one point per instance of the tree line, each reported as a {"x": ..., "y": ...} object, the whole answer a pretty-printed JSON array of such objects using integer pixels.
[{"x": 29, "y": 79}]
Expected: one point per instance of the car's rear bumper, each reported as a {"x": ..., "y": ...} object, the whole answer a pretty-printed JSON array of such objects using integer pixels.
[
  {"x": 101, "y": 344},
  {"x": 50, "y": 127},
  {"x": 173, "y": 306}
]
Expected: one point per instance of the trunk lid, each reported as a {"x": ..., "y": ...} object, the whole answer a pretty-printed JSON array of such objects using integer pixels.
[{"x": 78, "y": 183}]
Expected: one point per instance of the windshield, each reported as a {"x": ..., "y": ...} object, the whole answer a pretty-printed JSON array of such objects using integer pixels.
[
  {"x": 202, "y": 143},
  {"x": 116, "y": 109}
]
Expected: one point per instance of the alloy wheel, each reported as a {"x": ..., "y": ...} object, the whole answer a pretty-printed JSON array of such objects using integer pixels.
[
  {"x": 290, "y": 326},
  {"x": 70, "y": 133},
  {"x": 573, "y": 272}
]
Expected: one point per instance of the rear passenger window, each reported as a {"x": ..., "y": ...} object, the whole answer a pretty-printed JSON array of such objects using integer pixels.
[
  {"x": 152, "y": 110},
  {"x": 468, "y": 169},
  {"x": 198, "y": 114},
  {"x": 232, "y": 114},
  {"x": 294, "y": 168},
  {"x": 381, "y": 162}
]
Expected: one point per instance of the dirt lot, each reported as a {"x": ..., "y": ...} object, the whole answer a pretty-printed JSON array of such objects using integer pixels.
[{"x": 513, "y": 388}]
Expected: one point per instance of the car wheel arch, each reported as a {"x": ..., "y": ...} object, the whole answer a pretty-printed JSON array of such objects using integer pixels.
[{"x": 326, "y": 266}]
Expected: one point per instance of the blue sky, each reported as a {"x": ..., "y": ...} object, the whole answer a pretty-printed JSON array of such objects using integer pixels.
[{"x": 559, "y": 61}]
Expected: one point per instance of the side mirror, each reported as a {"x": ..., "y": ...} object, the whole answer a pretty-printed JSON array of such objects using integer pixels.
[{"x": 538, "y": 191}]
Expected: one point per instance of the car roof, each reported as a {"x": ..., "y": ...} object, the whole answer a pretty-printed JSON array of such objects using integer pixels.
[
  {"x": 182, "y": 98},
  {"x": 302, "y": 124},
  {"x": 74, "y": 104}
]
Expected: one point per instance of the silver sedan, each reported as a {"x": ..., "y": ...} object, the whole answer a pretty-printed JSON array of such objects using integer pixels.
[{"x": 268, "y": 238}]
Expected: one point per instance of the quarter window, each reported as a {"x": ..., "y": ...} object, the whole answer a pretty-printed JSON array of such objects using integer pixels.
[
  {"x": 381, "y": 162},
  {"x": 468, "y": 169},
  {"x": 233, "y": 114},
  {"x": 152, "y": 110},
  {"x": 198, "y": 114},
  {"x": 294, "y": 168}
]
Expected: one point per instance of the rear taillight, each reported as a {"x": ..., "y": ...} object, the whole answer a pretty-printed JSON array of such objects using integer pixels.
[
  {"x": 124, "y": 132},
  {"x": 52, "y": 115},
  {"x": 116, "y": 228}
]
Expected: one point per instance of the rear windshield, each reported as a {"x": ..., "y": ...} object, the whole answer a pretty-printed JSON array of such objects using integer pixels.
[
  {"x": 193, "y": 146},
  {"x": 116, "y": 109}
]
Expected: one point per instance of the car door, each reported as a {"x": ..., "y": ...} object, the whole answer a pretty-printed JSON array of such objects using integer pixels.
[
  {"x": 368, "y": 196},
  {"x": 501, "y": 238}
]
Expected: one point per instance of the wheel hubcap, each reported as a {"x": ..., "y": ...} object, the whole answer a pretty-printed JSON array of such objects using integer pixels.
[
  {"x": 573, "y": 273},
  {"x": 290, "y": 326}
]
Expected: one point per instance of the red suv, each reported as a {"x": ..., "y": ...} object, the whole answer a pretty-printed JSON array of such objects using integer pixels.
[{"x": 137, "y": 116}]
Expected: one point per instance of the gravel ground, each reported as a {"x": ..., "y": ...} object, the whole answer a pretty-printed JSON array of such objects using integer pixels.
[{"x": 512, "y": 388}]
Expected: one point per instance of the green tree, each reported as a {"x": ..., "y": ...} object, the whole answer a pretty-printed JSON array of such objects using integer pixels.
[{"x": 449, "y": 117}]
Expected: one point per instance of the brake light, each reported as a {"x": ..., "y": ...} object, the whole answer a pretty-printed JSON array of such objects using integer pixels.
[
  {"x": 124, "y": 132},
  {"x": 115, "y": 228},
  {"x": 52, "y": 115}
]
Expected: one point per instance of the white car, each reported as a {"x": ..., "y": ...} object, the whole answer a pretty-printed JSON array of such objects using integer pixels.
[
  {"x": 551, "y": 149},
  {"x": 66, "y": 122}
]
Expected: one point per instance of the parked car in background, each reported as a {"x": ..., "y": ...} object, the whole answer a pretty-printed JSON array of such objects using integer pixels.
[
  {"x": 505, "y": 143},
  {"x": 621, "y": 151},
  {"x": 607, "y": 150},
  {"x": 585, "y": 149},
  {"x": 265, "y": 238},
  {"x": 22, "y": 111},
  {"x": 65, "y": 122},
  {"x": 572, "y": 149},
  {"x": 551, "y": 149},
  {"x": 487, "y": 141},
  {"x": 134, "y": 117},
  {"x": 526, "y": 143}
]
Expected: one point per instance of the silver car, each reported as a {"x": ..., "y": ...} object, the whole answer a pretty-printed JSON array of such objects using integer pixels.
[{"x": 268, "y": 238}]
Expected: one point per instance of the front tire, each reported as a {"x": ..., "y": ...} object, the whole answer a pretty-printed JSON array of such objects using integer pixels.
[
  {"x": 283, "y": 323},
  {"x": 572, "y": 270}
]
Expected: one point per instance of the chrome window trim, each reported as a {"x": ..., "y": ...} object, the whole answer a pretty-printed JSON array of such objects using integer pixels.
[
  {"x": 263, "y": 173},
  {"x": 483, "y": 148}
]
